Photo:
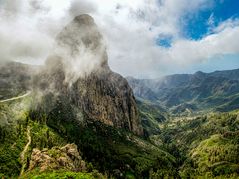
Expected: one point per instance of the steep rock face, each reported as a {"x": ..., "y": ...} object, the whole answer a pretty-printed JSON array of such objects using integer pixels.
[
  {"x": 108, "y": 98},
  {"x": 78, "y": 70}
]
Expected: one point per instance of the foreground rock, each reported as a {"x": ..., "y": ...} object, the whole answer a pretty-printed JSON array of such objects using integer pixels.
[{"x": 67, "y": 158}]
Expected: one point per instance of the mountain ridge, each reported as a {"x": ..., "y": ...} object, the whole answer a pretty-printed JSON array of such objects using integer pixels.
[{"x": 199, "y": 90}]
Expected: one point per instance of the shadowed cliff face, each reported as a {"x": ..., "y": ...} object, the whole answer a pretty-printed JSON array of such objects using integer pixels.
[{"x": 78, "y": 73}]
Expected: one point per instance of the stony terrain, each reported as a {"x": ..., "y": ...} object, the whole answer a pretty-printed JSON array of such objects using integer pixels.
[{"x": 56, "y": 158}]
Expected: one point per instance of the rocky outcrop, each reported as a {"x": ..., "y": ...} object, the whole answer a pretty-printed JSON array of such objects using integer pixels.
[
  {"x": 78, "y": 70},
  {"x": 66, "y": 157}
]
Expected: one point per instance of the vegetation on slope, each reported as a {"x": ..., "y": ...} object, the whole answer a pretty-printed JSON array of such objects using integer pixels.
[
  {"x": 111, "y": 150},
  {"x": 114, "y": 152},
  {"x": 13, "y": 139},
  {"x": 193, "y": 146},
  {"x": 208, "y": 145},
  {"x": 61, "y": 174}
]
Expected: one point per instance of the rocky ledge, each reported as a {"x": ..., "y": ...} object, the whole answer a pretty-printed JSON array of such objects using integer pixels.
[{"x": 66, "y": 158}]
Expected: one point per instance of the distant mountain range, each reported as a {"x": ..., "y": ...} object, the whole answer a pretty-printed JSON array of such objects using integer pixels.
[{"x": 188, "y": 93}]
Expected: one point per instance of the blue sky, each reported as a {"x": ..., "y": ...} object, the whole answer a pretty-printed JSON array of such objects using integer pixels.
[{"x": 197, "y": 26}]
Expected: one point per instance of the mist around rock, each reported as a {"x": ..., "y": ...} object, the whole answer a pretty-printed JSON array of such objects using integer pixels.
[{"x": 81, "y": 48}]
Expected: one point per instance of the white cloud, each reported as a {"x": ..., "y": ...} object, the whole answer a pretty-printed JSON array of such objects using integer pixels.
[
  {"x": 189, "y": 51},
  {"x": 132, "y": 47},
  {"x": 211, "y": 21},
  {"x": 130, "y": 29}
]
